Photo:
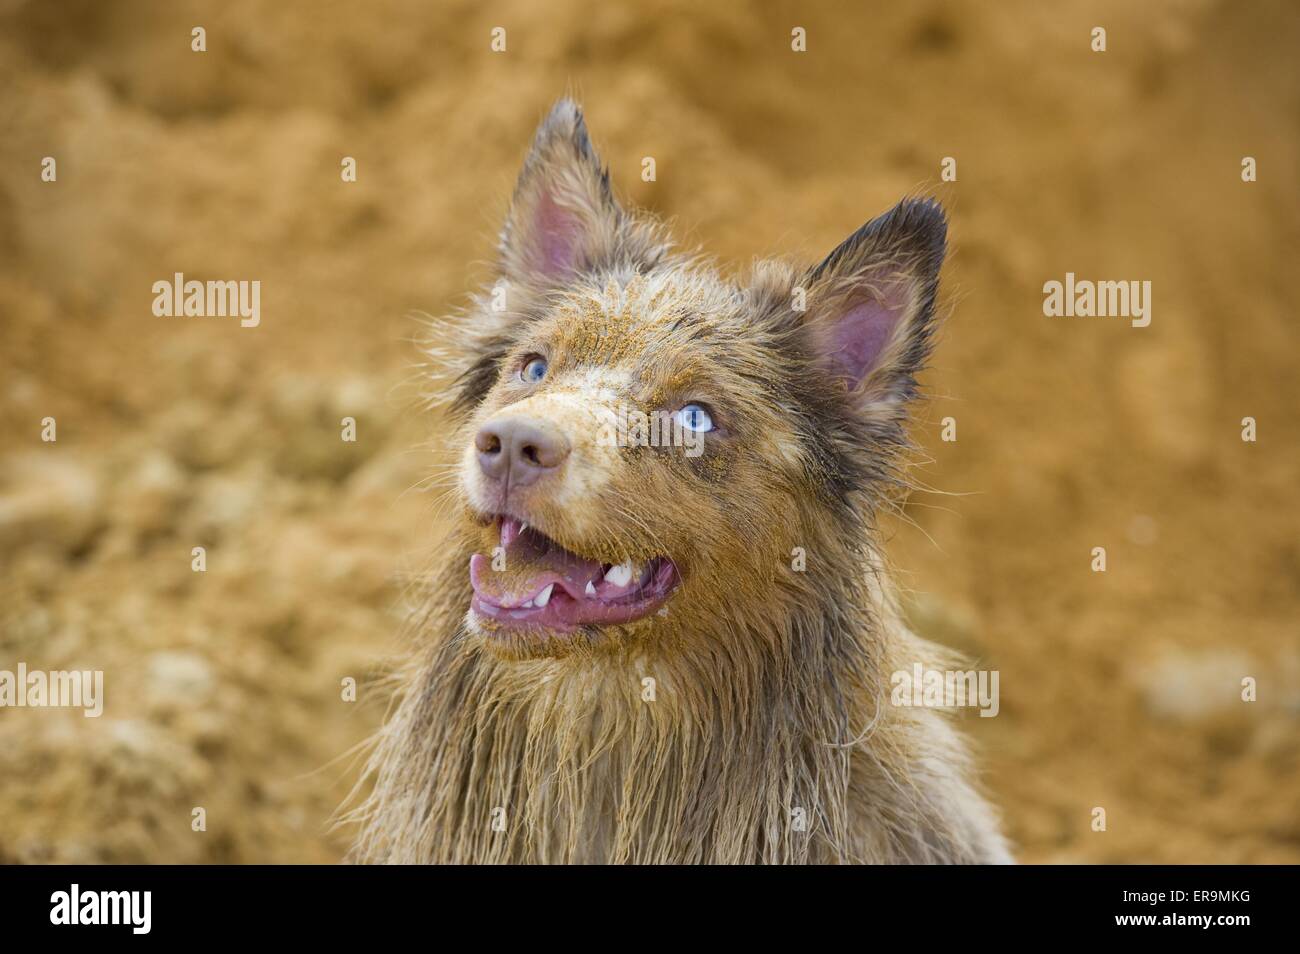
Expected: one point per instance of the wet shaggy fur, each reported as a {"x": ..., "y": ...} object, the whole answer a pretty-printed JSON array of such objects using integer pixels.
[{"x": 750, "y": 722}]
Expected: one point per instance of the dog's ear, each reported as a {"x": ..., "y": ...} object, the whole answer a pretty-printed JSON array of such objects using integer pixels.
[
  {"x": 563, "y": 218},
  {"x": 870, "y": 304}
]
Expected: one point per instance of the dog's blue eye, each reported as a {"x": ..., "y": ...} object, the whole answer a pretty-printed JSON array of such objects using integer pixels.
[
  {"x": 534, "y": 370},
  {"x": 694, "y": 418}
]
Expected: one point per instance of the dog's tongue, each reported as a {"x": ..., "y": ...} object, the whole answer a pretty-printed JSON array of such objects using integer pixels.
[{"x": 531, "y": 563}]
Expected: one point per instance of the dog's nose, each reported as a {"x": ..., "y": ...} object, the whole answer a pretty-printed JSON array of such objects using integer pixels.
[{"x": 518, "y": 450}]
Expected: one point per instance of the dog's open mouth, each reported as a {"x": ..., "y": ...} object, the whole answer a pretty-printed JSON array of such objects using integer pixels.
[{"x": 544, "y": 586}]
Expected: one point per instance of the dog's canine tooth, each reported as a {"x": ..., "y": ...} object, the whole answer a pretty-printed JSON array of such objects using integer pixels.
[
  {"x": 591, "y": 589},
  {"x": 620, "y": 575},
  {"x": 544, "y": 597}
]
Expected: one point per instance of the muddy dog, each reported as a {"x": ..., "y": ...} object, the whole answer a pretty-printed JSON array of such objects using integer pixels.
[{"x": 674, "y": 650}]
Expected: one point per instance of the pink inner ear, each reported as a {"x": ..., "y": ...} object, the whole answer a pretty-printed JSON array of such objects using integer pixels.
[
  {"x": 859, "y": 336},
  {"x": 559, "y": 233}
]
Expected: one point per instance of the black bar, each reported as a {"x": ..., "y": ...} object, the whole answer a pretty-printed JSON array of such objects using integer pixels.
[{"x": 944, "y": 906}]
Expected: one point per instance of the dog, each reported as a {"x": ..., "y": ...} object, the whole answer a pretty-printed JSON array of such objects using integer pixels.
[{"x": 636, "y": 654}]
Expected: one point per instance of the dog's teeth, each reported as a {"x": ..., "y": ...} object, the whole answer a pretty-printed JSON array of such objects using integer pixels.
[
  {"x": 620, "y": 575},
  {"x": 523, "y": 527},
  {"x": 544, "y": 597},
  {"x": 529, "y": 604},
  {"x": 591, "y": 588}
]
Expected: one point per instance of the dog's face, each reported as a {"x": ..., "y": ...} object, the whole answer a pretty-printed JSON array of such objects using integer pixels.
[{"x": 647, "y": 443}]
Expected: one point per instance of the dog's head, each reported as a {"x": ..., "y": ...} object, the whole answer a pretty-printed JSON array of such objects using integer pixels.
[{"x": 648, "y": 445}]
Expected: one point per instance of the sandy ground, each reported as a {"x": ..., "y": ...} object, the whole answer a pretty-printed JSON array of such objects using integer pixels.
[{"x": 1119, "y": 690}]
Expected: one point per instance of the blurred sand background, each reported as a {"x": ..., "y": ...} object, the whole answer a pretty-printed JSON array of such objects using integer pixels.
[{"x": 1119, "y": 690}]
